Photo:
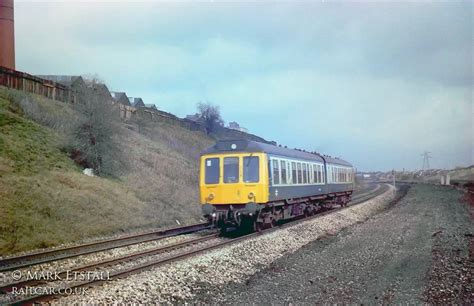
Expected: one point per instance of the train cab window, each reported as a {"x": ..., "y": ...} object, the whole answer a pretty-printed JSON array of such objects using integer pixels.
[
  {"x": 251, "y": 169},
  {"x": 300, "y": 174},
  {"x": 231, "y": 169},
  {"x": 293, "y": 173},
  {"x": 276, "y": 172},
  {"x": 283, "y": 171},
  {"x": 212, "y": 171}
]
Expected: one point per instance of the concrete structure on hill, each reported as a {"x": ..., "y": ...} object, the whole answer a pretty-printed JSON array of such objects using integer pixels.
[{"x": 7, "y": 34}]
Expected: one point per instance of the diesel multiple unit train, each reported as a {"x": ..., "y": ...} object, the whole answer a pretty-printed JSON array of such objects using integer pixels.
[{"x": 247, "y": 183}]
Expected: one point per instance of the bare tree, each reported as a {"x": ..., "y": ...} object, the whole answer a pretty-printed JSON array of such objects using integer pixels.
[
  {"x": 96, "y": 135},
  {"x": 210, "y": 115}
]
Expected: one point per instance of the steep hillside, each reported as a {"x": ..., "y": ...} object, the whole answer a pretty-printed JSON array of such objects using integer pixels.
[{"x": 46, "y": 200}]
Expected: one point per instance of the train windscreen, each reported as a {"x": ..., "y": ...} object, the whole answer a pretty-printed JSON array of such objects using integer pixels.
[
  {"x": 251, "y": 169},
  {"x": 231, "y": 169},
  {"x": 212, "y": 171}
]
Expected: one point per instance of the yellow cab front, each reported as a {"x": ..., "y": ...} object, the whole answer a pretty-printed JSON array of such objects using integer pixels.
[{"x": 233, "y": 178}]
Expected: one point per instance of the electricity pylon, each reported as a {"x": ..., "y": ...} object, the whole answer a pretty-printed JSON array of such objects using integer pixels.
[{"x": 426, "y": 160}]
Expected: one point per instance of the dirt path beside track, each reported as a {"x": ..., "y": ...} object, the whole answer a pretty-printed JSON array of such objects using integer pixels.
[{"x": 417, "y": 251}]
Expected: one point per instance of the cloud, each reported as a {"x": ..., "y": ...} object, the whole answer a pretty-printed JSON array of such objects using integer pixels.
[{"x": 377, "y": 83}]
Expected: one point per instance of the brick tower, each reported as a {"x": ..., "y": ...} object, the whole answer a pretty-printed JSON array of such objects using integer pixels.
[{"x": 7, "y": 34}]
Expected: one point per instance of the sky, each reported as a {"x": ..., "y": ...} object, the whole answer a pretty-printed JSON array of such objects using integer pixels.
[{"x": 375, "y": 83}]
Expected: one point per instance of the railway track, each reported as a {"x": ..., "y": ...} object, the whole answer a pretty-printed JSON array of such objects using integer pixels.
[
  {"x": 40, "y": 257},
  {"x": 143, "y": 260}
]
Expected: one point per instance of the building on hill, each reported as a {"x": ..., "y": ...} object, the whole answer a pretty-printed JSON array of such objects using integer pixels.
[
  {"x": 151, "y": 106},
  {"x": 101, "y": 91},
  {"x": 235, "y": 126},
  {"x": 194, "y": 117},
  {"x": 74, "y": 82},
  {"x": 127, "y": 111},
  {"x": 136, "y": 102},
  {"x": 120, "y": 97}
]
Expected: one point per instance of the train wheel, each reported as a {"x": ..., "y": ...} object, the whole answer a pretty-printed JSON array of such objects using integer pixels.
[{"x": 257, "y": 226}]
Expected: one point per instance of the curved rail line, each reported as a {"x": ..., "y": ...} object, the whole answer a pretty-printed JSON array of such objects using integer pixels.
[
  {"x": 40, "y": 257},
  {"x": 13, "y": 263},
  {"x": 113, "y": 261},
  {"x": 162, "y": 261}
]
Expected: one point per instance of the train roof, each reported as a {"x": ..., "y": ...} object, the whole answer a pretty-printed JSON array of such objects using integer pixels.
[{"x": 252, "y": 146}]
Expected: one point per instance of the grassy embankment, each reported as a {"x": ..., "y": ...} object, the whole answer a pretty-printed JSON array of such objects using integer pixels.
[{"x": 45, "y": 200}]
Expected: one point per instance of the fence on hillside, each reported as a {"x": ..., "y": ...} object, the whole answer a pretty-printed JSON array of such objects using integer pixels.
[{"x": 30, "y": 83}]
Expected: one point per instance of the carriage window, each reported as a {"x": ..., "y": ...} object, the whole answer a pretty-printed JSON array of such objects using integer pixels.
[
  {"x": 283, "y": 171},
  {"x": 315, "y": 173},
  {"x": 306, "y": 171},
  {"x": 251, "y": 169},
  {"x": 303, "y": 170},
  {"x": 231, "y": 169},
  {"x": 322, "y": 174},
  {"x": 288, "y": 172},
  {"x": 212, "y": 171},
  {"x": 293, "y": 173},
  {"x": 300, "y": 174},
  {"x": 308, "y": 175},
  {"x": 276, "y": 172}
]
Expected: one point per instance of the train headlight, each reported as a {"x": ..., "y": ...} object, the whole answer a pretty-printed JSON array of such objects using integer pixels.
[
  {"x": 251, "y": 196},
  {"x": 210, "y": 197}
]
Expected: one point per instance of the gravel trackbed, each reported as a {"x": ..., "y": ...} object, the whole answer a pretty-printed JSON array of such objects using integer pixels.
[
  {"x": 417, "y": 251},
  {"x": 196, "y": 278}
]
